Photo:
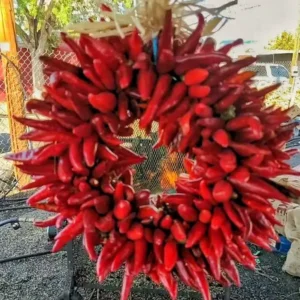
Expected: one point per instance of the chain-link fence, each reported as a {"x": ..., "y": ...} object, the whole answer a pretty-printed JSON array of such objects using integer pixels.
[{"x": 158, "y": 173}]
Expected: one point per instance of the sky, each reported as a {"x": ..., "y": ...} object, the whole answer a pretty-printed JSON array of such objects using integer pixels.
[{"x": 258, "y": 20}]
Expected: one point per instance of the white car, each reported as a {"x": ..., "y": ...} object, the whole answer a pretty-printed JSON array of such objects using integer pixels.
[{"x": 267, "y": 74}]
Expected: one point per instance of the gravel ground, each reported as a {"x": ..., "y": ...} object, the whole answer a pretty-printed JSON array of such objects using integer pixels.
[{"x": 45, "y": 277}]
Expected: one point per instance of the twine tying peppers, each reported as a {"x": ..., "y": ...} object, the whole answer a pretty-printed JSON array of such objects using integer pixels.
[{"x": 206, "y": 108}]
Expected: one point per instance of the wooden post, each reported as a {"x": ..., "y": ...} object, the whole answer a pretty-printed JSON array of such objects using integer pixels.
[{"x": 15, "y": 96}]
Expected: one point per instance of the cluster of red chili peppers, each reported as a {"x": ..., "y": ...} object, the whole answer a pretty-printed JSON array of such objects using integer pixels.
[{"x": 206, "y": 109}]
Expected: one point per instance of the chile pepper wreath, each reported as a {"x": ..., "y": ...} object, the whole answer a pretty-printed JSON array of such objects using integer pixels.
[{"x": 206, "y": 109}]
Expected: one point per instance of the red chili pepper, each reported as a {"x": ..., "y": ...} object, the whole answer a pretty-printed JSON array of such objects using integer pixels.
[
  {"x": 104, "y": 102},
  {"x": 127, "y": 280},
  {"x": 186, "y": 63},
  {"x": 225, "y": 49},
  {"x": 122, "y": 255},
  {"x": 67, "y": 119},
  {"x": 46, "y": 223},
  {"x": 136, "y": 232},
  {"x": 192, "y": 41},
  {"x": 48, "y": 125},
  {"x": 214, "y": 174},
  {"x": 135, "y": 45},
  {"x": 195, "y": 234},
  {"x": 166, "y": 61},
  {"x": 101, "y": 204},
  {"x": 41, "y": 107},
  {"x": 199, "y": 91},
  {"x": 84, "y": 130},
  {"x": 260, "y": 242},
  {"x": 183, "y": 274},
  {"x": 247, "y": 149},
  {"x": 212, "y": 259},
  {"x": 255, "y": 204},
  {"x": 195, "y": 76},
  {"x": 106, "y": 256},
  {"x": 25, "y": 156},
  {"x": 73, "y": 80},
  {"x": 218, "y": 218},
  {"x": 106, "y": 223},
  {"x": 202, "y": 204},
  {"x": 178, "y": 231},
  {"x": 104, "y": 152},
  {"x": 214, "y": 123},
  {"x": 170, "y": 255},
  {"x": 91, "y": 74},
  {"x": 90, "y": 240},
  {"x": 166, "y": 35},
  {"x": 45, "y": 169},
  {"x": 140, "y": 255},
  {"x": 59, "y": 98},
  {"x": 124, "y": 76},
  {"x": 217, "y": 240},
  {"x": 229, "y": 69},
  {"x": 177, "y": 199},
  {"x": 232, "y": 214},
  {"x": 168, "y": 281},
  {"x": 161, "y": 89},
  {"x": 105, "y": 74},
  {"x": 44, "y": 180},
  {"x": 262, "y": 92},
  {"x": 64, "y": 169},
  {"x": 230, "y": 99},
  {"x": 106, "y": 184},
  {"x": 204, "y": 111},
  {"x": 49, "y": 136},
  {"x": 49, "y": 207},
  {"x": 241, "y": 77},
  {"x": 54, "y": 64},
  {"x": 187, "y": 213},
  {"x": 222, "y": 138},
  {"x": 68, "y": 233},
  {"x": 102, "y": 49},
  {"x": 76, "y": 159},
  {"x": 81, "y": 197},
  {"x": 259, "y": 187},
  {"x": 186, "y": 120},
  {"x": 166, "y": 222},
  {"x": 124, "y": 225},
  {"x": 149, "y": 235},
  {"x": 123, "y": 109},
  {"x": 122, "y": 209},
  {"x": 90, "y": 145},
  {"x": 222, "y": 191},
  {"x": 83, "y": 59},
  {"x": 178, "y": 92},
  {"x": 229, "y": 267},
  {"x": 227, "y": 231}
]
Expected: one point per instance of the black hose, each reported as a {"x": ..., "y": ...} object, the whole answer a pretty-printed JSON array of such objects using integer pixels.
[
  {"x": 15, "y": 208},
  {"x": 9, "y": 221},
  {"x": 24, "y": 256}
]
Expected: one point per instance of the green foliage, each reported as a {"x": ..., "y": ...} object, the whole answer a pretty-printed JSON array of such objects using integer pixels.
[
  {"x": 125, "y": 3},
  {"x": 40, "y": 20},
  {"x": 284, "y": 41},
  {"x": 281, "y": 98}
]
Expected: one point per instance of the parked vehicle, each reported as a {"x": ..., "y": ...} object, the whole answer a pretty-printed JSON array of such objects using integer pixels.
[{"x": 267, "y": 74}]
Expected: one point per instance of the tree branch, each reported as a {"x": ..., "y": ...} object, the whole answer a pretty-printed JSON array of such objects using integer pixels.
[
  {"x": 217, "y": 10},
  {"x": 47, "y": 16},
  {"x": 24, "y": 36}
]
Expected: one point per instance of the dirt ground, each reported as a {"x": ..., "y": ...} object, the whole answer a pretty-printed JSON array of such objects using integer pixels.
[{"x": 45, "y": 277}]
